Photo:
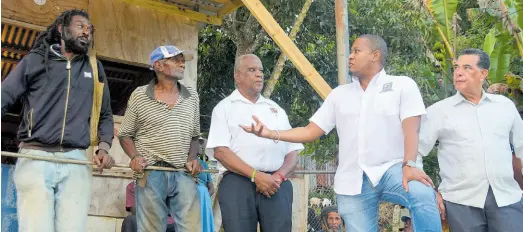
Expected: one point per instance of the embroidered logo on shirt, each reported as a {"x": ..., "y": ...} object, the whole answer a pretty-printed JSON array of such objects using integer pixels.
[
  {"x": 387, "y": 87},
  {"x": 274, "y": 110},
  {"x": 88, "y": 75}
]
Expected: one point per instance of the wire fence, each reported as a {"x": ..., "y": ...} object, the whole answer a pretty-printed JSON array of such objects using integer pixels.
[{"x": 322, "y": 207}]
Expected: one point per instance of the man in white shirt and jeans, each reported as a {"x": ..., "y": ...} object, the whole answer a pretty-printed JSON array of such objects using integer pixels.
[
  {"x": 377, "y": 118},
  {"x": 475, "y": 130},
  {"x": 254, "y": 188}
]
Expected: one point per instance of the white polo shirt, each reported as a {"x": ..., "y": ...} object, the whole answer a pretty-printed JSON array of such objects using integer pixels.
[
  {"x": 369, "y": 127},
  {"x": 474, "y": 148},
  {"x": 260, "y": 153}
]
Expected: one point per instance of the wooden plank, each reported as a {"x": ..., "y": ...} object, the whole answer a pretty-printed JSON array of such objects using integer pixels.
[
  {"x": 14, "y": 50},
  {"x": 176, "y": 10},
  {"x": 230, "y": 7},
  {"x": 128, "y": 34},
  {"x": 288, "y": 47},
  {"x": 108, "y": 194},
  {"x": 29, "y": 12},
  {"x": 101, "y": 224},
  {"x": 300, "y": 188}
]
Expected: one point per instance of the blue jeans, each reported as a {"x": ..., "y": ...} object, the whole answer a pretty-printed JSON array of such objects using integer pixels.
[
  {"x": 360, "y": 212},
  {"x": 167, "y": 192},
  {"x": 52, "y": 197}
]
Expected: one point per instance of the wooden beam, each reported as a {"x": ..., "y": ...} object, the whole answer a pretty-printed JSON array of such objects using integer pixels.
[
  {"x": 288, "y": 47},
  {"x": 23, "y": 24},
  {"x": 230, "y": 7},
  {"x": 173, "y": 9},
  {"x": 14, "y": 50},
  {"x": 114, "y": 79},
  {"x": 9, "y": 60}
]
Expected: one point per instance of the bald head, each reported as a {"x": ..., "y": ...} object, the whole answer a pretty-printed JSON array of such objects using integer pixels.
[{"x": 379, "y": 44}]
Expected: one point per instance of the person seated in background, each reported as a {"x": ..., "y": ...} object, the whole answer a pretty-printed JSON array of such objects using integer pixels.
[
  {"x": 205, "y": 190},
  {"x": 331, "y": 220},
  {"x": 129, "y": 222},
  {"x": 407, "y": 224}
]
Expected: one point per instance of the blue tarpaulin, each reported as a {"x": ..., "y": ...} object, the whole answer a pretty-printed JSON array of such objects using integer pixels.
[{"x": 9, "y": 219}]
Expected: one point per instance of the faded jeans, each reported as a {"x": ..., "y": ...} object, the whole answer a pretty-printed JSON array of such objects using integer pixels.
[
  {"x": 52, "y": 196},
  {"x": 168, "y": 192},
  {"x": 360, "y": 212}
]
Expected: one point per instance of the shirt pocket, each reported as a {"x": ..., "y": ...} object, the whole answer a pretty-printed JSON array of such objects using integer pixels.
[{"x": 387, "y": 103}]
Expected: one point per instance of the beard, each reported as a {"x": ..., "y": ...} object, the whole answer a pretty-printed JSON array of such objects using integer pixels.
[
  {"x": 175, "y": 74},
  {"x": 78, "y": 45}
]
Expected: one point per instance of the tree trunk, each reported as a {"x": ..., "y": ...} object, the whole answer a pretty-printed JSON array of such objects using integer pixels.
[{"x": 269, "y": 88}]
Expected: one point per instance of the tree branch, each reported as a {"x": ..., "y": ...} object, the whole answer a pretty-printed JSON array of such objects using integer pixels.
[{"x": 281, "y": 60}]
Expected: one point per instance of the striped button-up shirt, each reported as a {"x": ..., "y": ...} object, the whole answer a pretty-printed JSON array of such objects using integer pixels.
[
  {"x": 474, "y": 148},
  {"x": 162, "y": 133}
]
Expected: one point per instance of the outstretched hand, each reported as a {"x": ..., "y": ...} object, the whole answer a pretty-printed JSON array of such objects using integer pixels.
[{"x": 259, "y": 129}]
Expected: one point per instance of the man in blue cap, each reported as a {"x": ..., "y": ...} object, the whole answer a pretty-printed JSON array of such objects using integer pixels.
[{"x": 161, "y": 127}]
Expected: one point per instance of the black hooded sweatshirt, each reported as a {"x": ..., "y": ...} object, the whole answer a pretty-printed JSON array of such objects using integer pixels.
[{"x": 57, "y": 95}]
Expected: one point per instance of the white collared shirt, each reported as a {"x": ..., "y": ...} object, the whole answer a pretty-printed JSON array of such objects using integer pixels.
[
  {"x": 474, "y": 148},
  {"x": 260, "y": 153},
  {"x": 369, "y": 126}
]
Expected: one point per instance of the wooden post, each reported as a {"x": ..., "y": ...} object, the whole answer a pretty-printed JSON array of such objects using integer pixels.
[
  {"x": 342, "y": 40},
  {"x": 288, "y": 47}
]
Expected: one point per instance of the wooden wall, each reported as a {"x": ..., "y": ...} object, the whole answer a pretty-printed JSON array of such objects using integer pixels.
[
  {"x": 42, "y": 15},
  {"x": 124, "y": 33},
  {"x": 108, "y": 194},
  {"x": 128, "y": 33}
]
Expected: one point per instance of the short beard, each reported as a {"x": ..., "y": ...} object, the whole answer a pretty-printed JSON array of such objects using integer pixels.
[
  {"x": 73, "y": 44},
  {"x": 175, "y": 75}
]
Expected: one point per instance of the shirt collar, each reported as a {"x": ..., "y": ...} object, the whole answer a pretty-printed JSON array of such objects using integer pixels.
[
  {"x": 376, "y": 79},
  {"x": 458, "y": 97},
  {"x": 237, "y": 96},
  {"x": 184, "y": 92}
]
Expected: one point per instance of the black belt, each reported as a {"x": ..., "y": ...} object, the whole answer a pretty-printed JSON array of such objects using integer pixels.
[
  {"x": 229, "y": 172},
  {"x": 163, "y": 164}
]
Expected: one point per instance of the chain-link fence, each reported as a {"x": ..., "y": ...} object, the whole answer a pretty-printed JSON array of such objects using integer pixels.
[
  {"x": 322, "y": 208},
  {"x": 314, "y": 201}
]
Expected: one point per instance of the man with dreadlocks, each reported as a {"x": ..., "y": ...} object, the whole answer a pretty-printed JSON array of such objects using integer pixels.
[
  {"x": 55, "y": 83},
  {"x": 331, "y": 220}
]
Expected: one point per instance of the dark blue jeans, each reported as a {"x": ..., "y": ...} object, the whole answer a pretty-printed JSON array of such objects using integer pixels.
[{"x": 168, "y": 192}]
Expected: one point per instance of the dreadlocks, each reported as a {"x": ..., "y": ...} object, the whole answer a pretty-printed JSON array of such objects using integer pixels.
[
  {"x": 52, "y": 35},
  {"x": 324, "y": 217}
]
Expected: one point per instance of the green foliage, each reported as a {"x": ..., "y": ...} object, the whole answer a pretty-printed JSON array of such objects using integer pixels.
[
  {"x": 443, "y": 11},
  {"x": 500, "y": 58},
  {"x": 407, "y": 30}
]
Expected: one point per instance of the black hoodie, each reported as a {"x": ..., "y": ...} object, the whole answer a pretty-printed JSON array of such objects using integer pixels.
[{"x": 57, "y": 100}]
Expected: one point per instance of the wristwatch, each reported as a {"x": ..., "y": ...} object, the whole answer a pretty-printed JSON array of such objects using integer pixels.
[{"x": 410, "y": 163}]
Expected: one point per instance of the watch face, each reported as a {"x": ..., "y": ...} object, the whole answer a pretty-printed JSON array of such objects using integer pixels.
[{"x": 411, "y": 163}]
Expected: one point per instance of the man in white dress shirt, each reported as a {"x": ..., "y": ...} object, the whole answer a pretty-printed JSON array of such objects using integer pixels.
[
  {"x": 254, "y": 189},
  {"x": 377, "y": 118},
  {"x": 475, "y": 130}
]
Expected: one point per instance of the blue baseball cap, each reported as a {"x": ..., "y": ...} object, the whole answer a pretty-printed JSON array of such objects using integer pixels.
[{"x": 168, "y": 51}]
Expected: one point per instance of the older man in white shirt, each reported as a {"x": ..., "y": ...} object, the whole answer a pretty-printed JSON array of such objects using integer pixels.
[
  {"x": 254, "y": 189},
  {"x": 377, "y": 119},
  {"x": 475, "y": 130}
]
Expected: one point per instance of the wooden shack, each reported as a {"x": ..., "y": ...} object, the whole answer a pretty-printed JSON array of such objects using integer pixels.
[{"x": 126, "y": 32}]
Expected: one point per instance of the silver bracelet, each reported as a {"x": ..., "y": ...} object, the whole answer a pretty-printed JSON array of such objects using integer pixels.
[{"x": 278, "y": 137}]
